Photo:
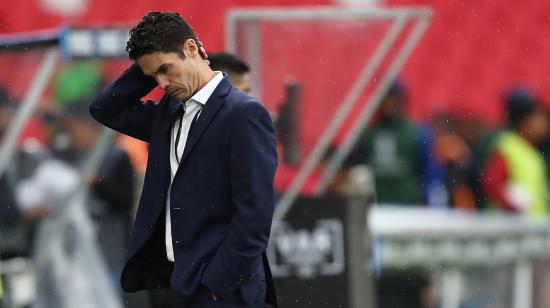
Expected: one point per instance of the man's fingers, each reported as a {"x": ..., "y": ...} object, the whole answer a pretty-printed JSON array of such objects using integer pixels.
[
  {"x": 202, "y": 51},
  {"x": 214, "y": 297}
]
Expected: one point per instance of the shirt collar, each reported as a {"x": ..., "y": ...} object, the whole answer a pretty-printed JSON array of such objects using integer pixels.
[{"x": 205, "y": 92}]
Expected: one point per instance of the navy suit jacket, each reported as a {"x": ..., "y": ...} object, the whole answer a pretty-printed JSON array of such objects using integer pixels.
[{"x": 221, "y": 199}]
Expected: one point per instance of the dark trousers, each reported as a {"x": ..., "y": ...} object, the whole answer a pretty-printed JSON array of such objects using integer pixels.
[
  {"x": 164, "y": 298},
  {"x": 203, "y": 299}
]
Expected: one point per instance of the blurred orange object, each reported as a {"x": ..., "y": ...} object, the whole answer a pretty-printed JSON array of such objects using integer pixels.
[{"x": 136, "y": 149}]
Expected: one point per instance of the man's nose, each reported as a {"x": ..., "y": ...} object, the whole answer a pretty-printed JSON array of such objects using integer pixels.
[{"x": 162, "y": 82}]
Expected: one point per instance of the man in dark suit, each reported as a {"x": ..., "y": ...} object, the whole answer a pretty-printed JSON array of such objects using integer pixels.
[{"x": 205, "y": 212}]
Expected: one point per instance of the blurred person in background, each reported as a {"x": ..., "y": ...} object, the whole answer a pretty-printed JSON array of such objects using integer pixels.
[
  {"x": 237, "y": 70},
  {"x": 14, "y": 231},
  {"x": 9, "y": 214},
  {"x": 467, "y": 190},
  {"x": 453, "y": 156},
  {"x": 391, "y": 147},
  {"x": 545, "y": 149},
  {"x": 107, "y": 206},
  {"x": 514, "y": 177},
  {"x": 111, "y": 194},
  {"x": 112, "y": 190},
  {"x": 17, "y": 225},
  {"x": 480, "y": 136}
]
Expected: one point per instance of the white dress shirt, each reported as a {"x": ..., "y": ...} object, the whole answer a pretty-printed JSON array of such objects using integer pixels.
[{"x": 192, "y": 106}]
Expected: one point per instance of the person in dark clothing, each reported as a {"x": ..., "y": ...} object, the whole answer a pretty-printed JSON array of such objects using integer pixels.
[
  {"x": 204, "y": 218},
  {"x": 237, "y": 70},
  {"x": 111, "y": 196},
  {"x": 392, "y": 149},
  {"x": 16, "y": 226}
]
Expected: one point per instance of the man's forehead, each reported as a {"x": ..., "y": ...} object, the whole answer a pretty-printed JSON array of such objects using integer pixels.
[{"x": 150, "y": 63}]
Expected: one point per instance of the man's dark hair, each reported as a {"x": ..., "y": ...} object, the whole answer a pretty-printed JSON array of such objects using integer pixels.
[
  {"x": 159, "y": 32},
  {"x": 222, "y": 61}
]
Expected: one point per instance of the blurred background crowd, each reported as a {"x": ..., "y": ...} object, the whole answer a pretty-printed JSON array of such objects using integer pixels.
[{"x": 457, "y": 160}]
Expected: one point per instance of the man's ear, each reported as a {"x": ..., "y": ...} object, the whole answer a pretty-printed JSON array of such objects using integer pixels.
[{"x": 190, "y": 48}]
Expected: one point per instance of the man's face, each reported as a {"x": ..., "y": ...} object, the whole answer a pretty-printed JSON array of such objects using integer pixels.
[
  {"x": 241, "y": 81},
  {"x": 390, "y": 107},
  {"x": 176, "y": 75},
  {"x": 536, "y": 126}
]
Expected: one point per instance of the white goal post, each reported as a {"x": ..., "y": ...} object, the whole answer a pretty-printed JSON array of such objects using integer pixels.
[{"x": 417, "y": 17}]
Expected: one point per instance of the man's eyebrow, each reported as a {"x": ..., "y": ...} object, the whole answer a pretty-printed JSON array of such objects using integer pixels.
[{"x": 163, "y": 66}]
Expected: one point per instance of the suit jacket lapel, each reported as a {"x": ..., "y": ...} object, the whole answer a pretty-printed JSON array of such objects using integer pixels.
[{"x": 207, "y": 115}]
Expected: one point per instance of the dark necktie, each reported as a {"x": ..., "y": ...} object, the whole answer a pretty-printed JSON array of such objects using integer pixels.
[{"x": 181, "y": 113}]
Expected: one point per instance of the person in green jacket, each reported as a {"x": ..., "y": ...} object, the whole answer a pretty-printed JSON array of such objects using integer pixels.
[{"x": 391, "y": 148}]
